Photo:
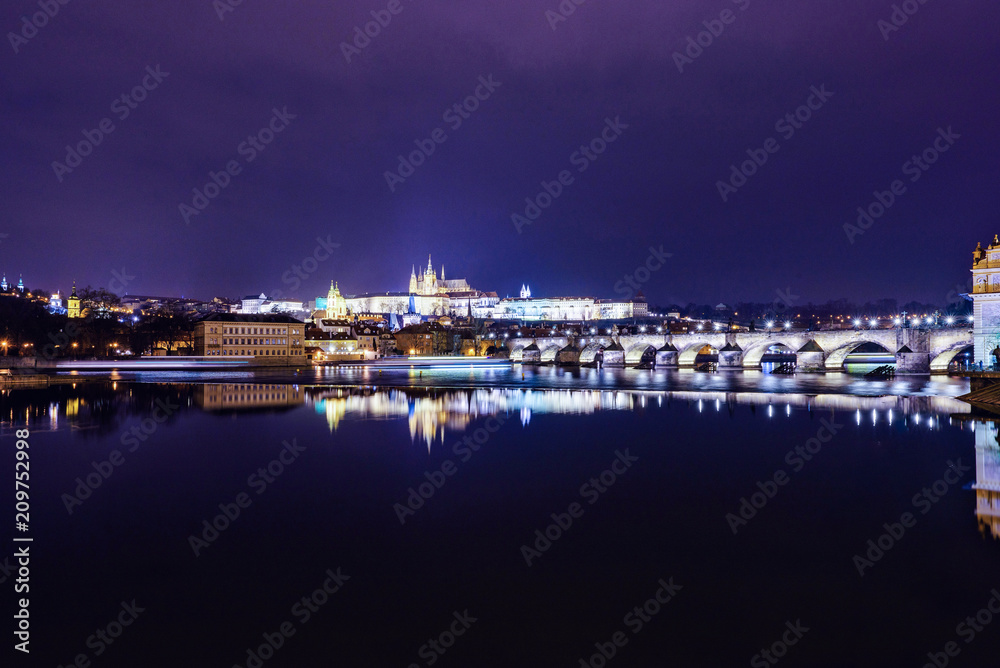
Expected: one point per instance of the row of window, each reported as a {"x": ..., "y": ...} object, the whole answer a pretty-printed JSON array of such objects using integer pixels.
[
  {"x": 258, "y": 330},
  {"x": 255, "y": 342},
  {"x": 264, "y": 353}
]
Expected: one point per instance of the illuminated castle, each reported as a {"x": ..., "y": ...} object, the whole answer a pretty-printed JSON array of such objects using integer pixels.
[{"x": 429, "y": 284}]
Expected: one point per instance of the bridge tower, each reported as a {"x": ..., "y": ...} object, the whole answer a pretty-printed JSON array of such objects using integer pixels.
[{"x": 986, "y": 301}]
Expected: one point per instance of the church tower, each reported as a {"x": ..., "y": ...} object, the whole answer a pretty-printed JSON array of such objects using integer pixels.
[
  {"x": 73, "y": 304},
  {"x": 430, "y": 279},
  {"x": 336, "y": 304},
  {"x": 413, "y": 280}
]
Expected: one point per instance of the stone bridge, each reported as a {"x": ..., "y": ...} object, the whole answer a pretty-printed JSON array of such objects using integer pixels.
[{"x": 916, "y": 350}]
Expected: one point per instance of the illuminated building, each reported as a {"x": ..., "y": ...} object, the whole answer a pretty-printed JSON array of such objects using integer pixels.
[
  {"x": 427, "y": 295},
  {"x": 269, "y": 338},
  {"x": 73, "y": 304},
  {"x": 570, "y": 308},
  {"x": 986, "y": 303}
]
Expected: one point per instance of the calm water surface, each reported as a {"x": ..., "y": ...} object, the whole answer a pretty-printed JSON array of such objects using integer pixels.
[{"x": 433, "y": 495}]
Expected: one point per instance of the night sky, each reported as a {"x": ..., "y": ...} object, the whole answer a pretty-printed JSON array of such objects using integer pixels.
[{"x": 115, "y": 218}]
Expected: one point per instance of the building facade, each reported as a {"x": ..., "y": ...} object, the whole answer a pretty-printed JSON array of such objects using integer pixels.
[
  {"x": 271, "y": 338},
  {"x": 426, "y": 295},
  {"x": 986, "y": 302}
]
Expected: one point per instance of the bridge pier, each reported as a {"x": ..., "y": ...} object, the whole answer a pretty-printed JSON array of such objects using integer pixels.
[
  {"x": 568, "y": 356},
  {"x": 810, "y": 358},
  {"x": 532, "y": 354},
  {"x": 614, "y": 355},
  {"x": 913, "y": 351},
  {"x": 731, "y": 356},
  {"x": 667, "y": 356}
]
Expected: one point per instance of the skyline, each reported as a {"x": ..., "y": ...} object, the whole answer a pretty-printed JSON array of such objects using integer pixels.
[{"x": 534, "y": 93}]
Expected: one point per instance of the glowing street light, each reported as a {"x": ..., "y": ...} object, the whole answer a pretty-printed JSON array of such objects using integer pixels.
[
  {"x": 770, "y": 324},
  {"x": 788, "y": 324},
  {"x": 873, "y": 322}
]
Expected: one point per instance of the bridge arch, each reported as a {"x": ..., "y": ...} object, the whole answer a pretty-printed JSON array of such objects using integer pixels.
[
  {"x": 754, "y": 354},
  {"x": 689, "y": 355},
  {"x": 549, "y": 353},
  {"x": 835, "y": 360},
  {"x": 589, "y": 354},
  {"x": 635, "y": 354},
  {"x": 517, "y": 350},
  {"x": 943, "y": 360}
]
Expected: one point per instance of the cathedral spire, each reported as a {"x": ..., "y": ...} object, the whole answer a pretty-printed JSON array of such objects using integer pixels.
[{"x": 430, "y": 267}]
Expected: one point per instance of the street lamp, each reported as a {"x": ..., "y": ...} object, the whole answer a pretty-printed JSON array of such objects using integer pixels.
[{"x": 788, "y": 324}]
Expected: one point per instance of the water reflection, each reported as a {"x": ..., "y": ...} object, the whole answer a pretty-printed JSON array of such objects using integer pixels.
[
  {"x": 987, "y": 483},
  {"x": 430, "y": 412}
]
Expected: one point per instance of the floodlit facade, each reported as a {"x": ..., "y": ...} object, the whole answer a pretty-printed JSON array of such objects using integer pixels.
[{"x": 276, "y": 338}]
